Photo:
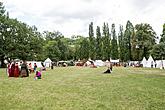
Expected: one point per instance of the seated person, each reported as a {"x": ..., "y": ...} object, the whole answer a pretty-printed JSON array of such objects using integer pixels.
[
  {"x": 37, "y": 75},
  {"x": 108, "y": 70}
]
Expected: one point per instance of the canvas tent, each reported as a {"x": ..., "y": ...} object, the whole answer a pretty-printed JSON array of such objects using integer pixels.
[
  {"x": 99, "y": 63},
  {"x": 144, "y": 62},
  {"x": 150, "y": 62},
  {"x": 114, "y": 61},
  {"x": 160, "y": 64},
  {"x": 47, "y": 62},
  {"x": 38, "y": 63}
]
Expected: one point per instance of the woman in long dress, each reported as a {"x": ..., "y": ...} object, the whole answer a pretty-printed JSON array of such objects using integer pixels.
[
  {"x": 16, "y": 70},
  {"x": 24, "y": 70},
  {"x": 12, "y": 70}
]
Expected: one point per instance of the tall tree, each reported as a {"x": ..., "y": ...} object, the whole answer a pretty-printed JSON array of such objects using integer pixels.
[
  {"x": 158, "y": 51},
  {"x": 92, "y": 52},
  {"x": 2, "y": 9},
  {"x": 106, "y": 42},
  {"x": 52, "y": 50},
  {"x": 114, "y": 45},
  {"x": 145, "y": 39},
  {"x": 121, "y": 43},
  {"x": 84, "y": 49},
  {"x": 2, "y": 20},
  {"x": 127, "y": 41},
  {"x": 163, "y": 35},
  {"x": 98, "y": 43}
]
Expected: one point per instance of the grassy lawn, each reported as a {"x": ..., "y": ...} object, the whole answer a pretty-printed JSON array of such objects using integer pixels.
[{"x": 78, "y": 88}]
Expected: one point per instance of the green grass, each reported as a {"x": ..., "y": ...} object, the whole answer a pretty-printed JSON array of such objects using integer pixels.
[{"x": 81, "y": 88}]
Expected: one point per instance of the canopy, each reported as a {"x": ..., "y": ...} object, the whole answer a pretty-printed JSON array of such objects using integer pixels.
[{"x": 99, "y": 63}]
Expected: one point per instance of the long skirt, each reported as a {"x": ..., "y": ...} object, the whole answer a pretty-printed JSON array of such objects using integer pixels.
[
  {"x": 16, "y": 72},
  {"x": 23, "y": 73}
]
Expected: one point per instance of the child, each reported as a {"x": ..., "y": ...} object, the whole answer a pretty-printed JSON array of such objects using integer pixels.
[
  {"x": 35, "y": 67},
  {"x": 37, "y": 75}
]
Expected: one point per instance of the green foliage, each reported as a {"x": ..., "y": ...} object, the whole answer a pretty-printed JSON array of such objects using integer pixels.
[
  {"x": 114, "y": 45},
  {"x": 2, "y": 9},
  {"x": 128, "y": 34},
  {"x": 52, "y": 50},
  {"x": 163, "y": 35},
  {"x": 158, "y": 51},
  {"x": 84, "y": 49},
  {"x": 145, "y": 40},
  {"x": 92, "y": 49},
  {"x": 106, "y": 54},
  {"x": 99, "y": 44},
  {"x": 19, "y": 40},
  {"x": 121, "y": 43}
]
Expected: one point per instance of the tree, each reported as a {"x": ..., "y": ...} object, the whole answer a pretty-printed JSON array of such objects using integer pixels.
[
  {"x": 162, "y": 40},
  {"x": 2, "y": 9},
  {"x": 127, "y": 41},
  {"x": 158, "y": 51},
  {"x": 84, "y": 49},
  {"x": 106, "y": 42},
  {"x": 145, "y": 39},
  {"x": 114, "y": 45},
  {"x": 52, "y": 50},
  {"x": 98, "y": 43},
  {"x": 92, "y": 52},
  {"x": 121, "y": 43}
]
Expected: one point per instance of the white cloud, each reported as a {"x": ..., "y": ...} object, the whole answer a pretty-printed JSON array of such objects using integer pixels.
[{"x": 73, "y": 16}]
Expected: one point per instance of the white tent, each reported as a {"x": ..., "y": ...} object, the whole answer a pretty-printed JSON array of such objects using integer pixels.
[
  {"x": 38, "y": 63},
  {"x": 99, "y": 63},
  {"x": 88, "y": 63},
  {"x": 107, "y": 63},
  {"x": 47, "y": 62},
  {"x": 144, "y": 62},
  {"x": 150, "y": 62},
  {"x": 160, "y": 64},
  {"x": 114, "y": 61}
]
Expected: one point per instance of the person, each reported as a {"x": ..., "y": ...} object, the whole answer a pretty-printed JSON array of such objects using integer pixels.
[
  {"x": 108, "y": 70},
  {"x": 35, "y": 67},
  {"x": 37, "y": 75},
  {"x": 111, "y": 67},
  {"x": 152, "y": 64},
  {"x": 30, "y": 68},
  {"x": 8, "y": 69},
  {"x": 51, "y": 65},
  {"x": 12, "y": 70},
  {"x": 16, "y": 70},
  {"x": 24, "y": 70},
  {"x": 43, "y": 67}
]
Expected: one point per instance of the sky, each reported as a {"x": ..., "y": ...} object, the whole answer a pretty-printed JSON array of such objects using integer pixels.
[{"x": 72, "y": 17}]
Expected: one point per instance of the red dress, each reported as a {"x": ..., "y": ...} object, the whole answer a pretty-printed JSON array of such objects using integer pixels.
[
  {"x": 11, "y": 74},
  {"x": 16, "y": 71}
]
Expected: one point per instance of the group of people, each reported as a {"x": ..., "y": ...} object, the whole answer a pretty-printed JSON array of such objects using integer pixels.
[
  {"x": 22, "y": 70},
  {"x": 15, "y": 70}
]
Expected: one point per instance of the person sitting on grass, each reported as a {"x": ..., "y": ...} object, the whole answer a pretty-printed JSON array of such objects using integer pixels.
[
  {"x": 37, "y": 75},
  {"x": 108, "y": 70}
]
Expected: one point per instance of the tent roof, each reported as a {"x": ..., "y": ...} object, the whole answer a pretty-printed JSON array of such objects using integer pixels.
[
  {"x": 48, "y": 60},
  {"x": 144, "y": 60},
  {"x": 150, "y": 59}
]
